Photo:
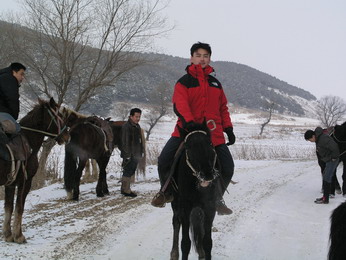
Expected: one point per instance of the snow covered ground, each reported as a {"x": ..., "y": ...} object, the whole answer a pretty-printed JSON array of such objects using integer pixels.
[{"x": 274, "y": 215}]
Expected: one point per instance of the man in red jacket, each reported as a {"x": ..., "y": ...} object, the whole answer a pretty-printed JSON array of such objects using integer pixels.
[{"x": 199, "y": 96}]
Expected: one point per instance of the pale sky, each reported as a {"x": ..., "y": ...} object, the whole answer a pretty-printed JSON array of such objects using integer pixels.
[{"x": 302, "y": 42}]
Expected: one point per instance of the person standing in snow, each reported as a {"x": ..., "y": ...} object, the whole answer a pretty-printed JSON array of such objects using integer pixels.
[
  {"x": 10, "y": 80},
  {"x": 199, "y": 96},
  {"x": 132, "y": 150},
  {"x": 328, "y": 151}
]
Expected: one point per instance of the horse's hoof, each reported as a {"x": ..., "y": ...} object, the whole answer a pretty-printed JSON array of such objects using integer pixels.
[
  {"x": 100, "y": 195},
  {"x": 9, "y": 239},
  {"x": 20, "y": 240}
]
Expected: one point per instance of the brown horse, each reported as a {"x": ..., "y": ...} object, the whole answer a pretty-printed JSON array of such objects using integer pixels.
[
  {"x": 87, "y": 141},
  {"x": 44, "y": 120}
]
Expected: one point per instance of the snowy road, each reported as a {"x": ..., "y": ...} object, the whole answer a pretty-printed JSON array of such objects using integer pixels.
[{"x": 274, "y": 219}]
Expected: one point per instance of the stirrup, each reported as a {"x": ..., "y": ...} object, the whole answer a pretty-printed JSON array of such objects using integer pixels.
[{"x": 160, "y": 199}]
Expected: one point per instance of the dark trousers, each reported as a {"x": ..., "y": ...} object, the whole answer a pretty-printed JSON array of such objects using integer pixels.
[
  {"x": 167, "y": 156},
  {"x": 129, "y": 168}
]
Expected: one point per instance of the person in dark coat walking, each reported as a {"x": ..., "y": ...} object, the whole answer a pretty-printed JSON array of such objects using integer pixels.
[
  {"x": 132, "y": 150},
  {"x": 10, "y": 80},
  {"x": 328, "y": 152},
  {"x": 199, "y": 96}
]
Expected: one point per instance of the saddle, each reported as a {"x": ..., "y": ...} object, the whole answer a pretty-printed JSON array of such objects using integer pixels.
[
  {"x": 18, "y": 149},
  {"x": 104, "y": 125},
  {"x": 16, "y": 152}
]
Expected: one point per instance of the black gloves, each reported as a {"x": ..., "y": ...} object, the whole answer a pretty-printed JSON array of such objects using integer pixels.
[
  {"x": 189, "y": 126},
  {"x": 230, "y": 135}
]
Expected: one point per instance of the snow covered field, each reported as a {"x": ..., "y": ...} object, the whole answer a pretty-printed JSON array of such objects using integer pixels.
[{"x": 274, "y": 215}]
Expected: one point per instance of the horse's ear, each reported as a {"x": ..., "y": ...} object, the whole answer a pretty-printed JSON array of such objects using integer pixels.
[
  {"x": 52, "y": 102},
  {"x": 182, "y": 131}
]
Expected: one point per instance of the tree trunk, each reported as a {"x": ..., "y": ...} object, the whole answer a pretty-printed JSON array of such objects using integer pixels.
[{"x": 41, "y": 176}]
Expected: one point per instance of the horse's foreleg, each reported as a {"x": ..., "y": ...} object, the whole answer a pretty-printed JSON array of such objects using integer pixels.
[
  {"x": 207, "y": 240},
  {"x": 344, "y": 178},
  {"x": 78, "y": 176},
  {"x": 9, "y": 199},
  {"x": 22, "y": 193},
  {"x": 185, "y": 240},
  {"x": 176, "y": 229},
  {"x": 102, "y": 187}
]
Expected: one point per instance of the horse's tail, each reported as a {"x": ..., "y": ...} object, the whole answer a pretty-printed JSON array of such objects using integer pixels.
[
  {"x": 69, "y": 171},
  {"x": 337, "y": 249},
  {"x": 197, "y": 227}
]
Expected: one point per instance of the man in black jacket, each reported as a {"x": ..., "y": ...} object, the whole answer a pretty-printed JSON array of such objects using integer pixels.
[
  {"x": 328, "y": 151},
  {"x": 132, "y": 150},
  {"x": 10, "y": 80}
]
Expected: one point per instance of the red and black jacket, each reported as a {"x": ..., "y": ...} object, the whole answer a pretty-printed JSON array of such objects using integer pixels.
[{"x": 198, "y": 96}]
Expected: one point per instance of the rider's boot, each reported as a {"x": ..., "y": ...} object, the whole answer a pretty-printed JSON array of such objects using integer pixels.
[
  {"x": 221, "y": 207},
  {"x": 163, "y": 196}
]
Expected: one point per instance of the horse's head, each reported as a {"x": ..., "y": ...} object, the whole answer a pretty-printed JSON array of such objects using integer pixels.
[
  {"x": 53, "y": 121},
  {"x": 71, "y": 117},
  {"x": 200, "y": 153},
  {"x": 340, "y": 133}
]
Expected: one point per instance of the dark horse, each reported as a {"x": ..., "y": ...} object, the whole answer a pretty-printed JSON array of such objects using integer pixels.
[
  {"x": 339, "y": 135},
  {"x": 337, "y": 248},
  {"x": 194, "y": 200},
  {"x": 87, "y": 141},
  {"x": 44, "y": 120}
]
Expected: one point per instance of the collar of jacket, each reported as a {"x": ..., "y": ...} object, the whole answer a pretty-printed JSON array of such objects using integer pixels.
[
  {"x": 197, "y": 71},
  {"x": 132, "y": 123}
]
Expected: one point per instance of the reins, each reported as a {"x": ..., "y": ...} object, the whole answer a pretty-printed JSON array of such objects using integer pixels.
[
  {"x": 54, "y": 118},
  {"x": 196, "y": 173}
]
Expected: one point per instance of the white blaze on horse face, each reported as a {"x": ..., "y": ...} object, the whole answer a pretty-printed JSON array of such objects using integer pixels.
[{"x": 204, "y": 184}]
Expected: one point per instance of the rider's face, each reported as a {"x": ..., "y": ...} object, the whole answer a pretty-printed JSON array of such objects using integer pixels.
[
  {"x": 19, "y": 75},
  {"x": 201, "y": 56}
]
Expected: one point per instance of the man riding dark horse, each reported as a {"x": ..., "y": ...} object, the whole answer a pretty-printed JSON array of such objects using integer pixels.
[{"x": 10, "y": 80}]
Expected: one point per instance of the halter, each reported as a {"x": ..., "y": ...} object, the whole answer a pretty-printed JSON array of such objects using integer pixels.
[
  {"x": 54, "y": 114},
  {"x": 333, "y": 134},
  {"x": 196, "y": 173},
  {"x": 339, "y": 141}
]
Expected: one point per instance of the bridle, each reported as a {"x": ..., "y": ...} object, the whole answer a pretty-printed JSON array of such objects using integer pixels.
[
  {"x": 339, "y": 141},
  {"x": 196, "y": 173},
  {"x": 55, "y": 117},
  {"x": 333, "y": 134}
]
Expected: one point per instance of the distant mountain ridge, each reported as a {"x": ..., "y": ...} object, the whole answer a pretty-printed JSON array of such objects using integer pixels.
[{"x": 243, "y": 85}]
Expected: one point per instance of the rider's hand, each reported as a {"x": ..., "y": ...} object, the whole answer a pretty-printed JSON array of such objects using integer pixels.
[
  {"x": 189, "y": 126},
  {"x": 230, "y": 135}
]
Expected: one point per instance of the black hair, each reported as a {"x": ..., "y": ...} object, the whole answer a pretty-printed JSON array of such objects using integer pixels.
[
  {"x": 135, "y": 110},
  {"x": 200, "y": 45},
  {"x": 308, "y": 134},
  {"x": 16, "y": 66}
]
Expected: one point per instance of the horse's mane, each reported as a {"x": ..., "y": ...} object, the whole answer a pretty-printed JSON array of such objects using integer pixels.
[
  {"x": 32, "y": 115},
  {"x": 68, "y": 111}
]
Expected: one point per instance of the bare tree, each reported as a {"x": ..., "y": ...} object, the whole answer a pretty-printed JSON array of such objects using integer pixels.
[
  {"x": 122, "y": 110},
  {"x": 77, "y": 47},
  {"x": 270, "y": 107},
  {"x": 330, "y": 110},
  {"x": 160, "y": 101}
]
